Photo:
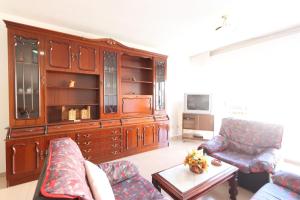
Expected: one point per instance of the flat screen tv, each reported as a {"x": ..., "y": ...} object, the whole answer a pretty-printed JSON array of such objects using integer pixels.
[{"x": 197, "y": 103}]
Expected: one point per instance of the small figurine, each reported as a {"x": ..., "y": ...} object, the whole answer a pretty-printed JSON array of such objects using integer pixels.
[
  {"x": 72, "y": 114},
  {"x": 72, "y": 84}
]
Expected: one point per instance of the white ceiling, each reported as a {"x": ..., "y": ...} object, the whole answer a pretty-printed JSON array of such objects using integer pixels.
[{"x": 168, "y": 25}]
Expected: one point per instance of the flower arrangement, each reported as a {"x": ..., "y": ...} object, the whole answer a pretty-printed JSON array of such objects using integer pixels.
[{"x": 196, "y": 161}]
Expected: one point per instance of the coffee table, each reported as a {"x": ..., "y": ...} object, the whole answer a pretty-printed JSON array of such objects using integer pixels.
[{"x": 180, "y": 183}]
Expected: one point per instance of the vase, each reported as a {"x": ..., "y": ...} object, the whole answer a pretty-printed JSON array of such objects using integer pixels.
[{"x": 196, "y": 169}]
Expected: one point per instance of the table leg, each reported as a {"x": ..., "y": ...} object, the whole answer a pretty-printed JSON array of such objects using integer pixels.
[
  {"x": 233, "y": 187},
  {"x": 156, "y": 185}
]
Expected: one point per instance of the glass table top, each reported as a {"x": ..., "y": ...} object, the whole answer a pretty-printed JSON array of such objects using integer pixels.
[{"x": 183, "y": 179}]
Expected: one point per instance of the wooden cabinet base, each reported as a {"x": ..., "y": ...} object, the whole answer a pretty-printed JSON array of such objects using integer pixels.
[{"x": 25, "y": 156}]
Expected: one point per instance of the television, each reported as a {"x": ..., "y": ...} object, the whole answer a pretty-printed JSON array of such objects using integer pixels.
[{"x": 197, "y": 103}]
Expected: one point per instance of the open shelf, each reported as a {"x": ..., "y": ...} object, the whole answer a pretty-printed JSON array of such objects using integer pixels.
[
  {"x": 56, "y": 114},
  {"x": 71, "y": 88},
  {"x": 137, "y": 75},
  {"x": 61, "y": 98}
]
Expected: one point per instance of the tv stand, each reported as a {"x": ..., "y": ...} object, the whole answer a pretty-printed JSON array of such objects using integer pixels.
[{"x": 197, "y": 126}]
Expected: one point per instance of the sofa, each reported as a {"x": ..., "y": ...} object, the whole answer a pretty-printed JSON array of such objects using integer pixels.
[
  {"x": 285, "y": 186},
  {"x": 251, "y": 146},
  {"x": 64, "y": 176}
]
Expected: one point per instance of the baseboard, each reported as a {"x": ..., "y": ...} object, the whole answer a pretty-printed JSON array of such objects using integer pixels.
[
  {"x": 176, "y": 137},
  {"x": 2, "y": 174}
]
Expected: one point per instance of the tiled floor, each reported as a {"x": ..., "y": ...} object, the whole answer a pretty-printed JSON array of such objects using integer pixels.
[{"x": 148, "y": 163}]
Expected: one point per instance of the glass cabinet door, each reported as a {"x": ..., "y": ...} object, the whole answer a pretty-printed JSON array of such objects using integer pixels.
[
  {"x": 160, "y": 75},
  {"x": 27, "y": 81},
  {"x": 110, "y": 82}
]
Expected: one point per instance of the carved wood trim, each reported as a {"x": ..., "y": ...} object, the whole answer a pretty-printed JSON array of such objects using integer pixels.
[{"x": 108, "y": 42}]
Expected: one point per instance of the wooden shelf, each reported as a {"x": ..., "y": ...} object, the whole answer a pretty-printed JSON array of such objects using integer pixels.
[
  {"x": 136, "y": 67},
  {"x": 72, "y": 88},
  {"x": 130, "y": 81},
  {"x": 81, "y": 104}
]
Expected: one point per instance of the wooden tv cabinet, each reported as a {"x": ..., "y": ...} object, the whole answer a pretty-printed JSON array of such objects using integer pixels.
[
  {"x": 107, "y": 97},
  {"x": 193, "y": 123}
]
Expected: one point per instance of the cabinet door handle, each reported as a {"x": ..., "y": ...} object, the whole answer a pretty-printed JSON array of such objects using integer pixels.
[
  {"x": 88, "y": 158},
  {"x": 158, "y": 130},
  {"x": 37, "y": 151}
]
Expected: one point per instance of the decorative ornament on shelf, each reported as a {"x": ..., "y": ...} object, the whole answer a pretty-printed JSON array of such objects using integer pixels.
[
  {"x": 72, "y": 114},
  {"x": 197, "y": 161},
  {"x": 72, "y": 84}
]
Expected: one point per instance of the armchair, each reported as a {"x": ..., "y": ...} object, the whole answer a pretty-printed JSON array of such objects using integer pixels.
[{"x": 251, "y": 146}]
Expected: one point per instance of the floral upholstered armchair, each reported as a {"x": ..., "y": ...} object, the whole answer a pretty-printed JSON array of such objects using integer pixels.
[{"x": 251, "y": 146}]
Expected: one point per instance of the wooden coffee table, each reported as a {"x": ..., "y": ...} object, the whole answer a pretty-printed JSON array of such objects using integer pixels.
[{"x": 180, "y": 183}]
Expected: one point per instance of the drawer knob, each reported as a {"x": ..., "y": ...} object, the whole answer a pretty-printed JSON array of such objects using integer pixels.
[
  {"x": 86, "y": 136},
  {"x": 114, "y": 152},
  {"x": 87, "y": 143},
  {"x": 87, "y": 150}
]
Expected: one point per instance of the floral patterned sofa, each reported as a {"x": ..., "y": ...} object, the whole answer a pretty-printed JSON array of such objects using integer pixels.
[
  {"x": 285, "y": 186},
  {"x": 64, "y": 176},
  {"x": 251, "y": 146}
]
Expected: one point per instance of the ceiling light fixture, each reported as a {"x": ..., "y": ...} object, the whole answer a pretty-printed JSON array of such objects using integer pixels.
[{"x": 224, "y": 22}]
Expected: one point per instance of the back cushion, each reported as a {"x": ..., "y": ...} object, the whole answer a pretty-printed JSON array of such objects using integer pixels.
[
  {"x": 251, "y": 136},
  {"x": 65, "y": 175}
]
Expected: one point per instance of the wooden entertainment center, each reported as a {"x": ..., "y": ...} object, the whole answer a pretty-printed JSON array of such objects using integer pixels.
[{"x": 107, "y": 97}]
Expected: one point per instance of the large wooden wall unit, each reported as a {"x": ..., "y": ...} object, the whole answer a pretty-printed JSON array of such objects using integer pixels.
[{"x": 116, "y": 94}]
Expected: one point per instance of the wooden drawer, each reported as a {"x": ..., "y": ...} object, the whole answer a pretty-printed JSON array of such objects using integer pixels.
[
  {"x": 137, "y": 104},
  {"x": 161, "y": 117},
  {"x": 60, "y": 128},
  {"x": 109, "y": 123},
  {"x": 85, "y": 125},
  {"x": 23, "y": 132},
  {"x": 137, "y": 120},
  {"x": 98, "y": 133},
  {"x": 99, "y": 141}
]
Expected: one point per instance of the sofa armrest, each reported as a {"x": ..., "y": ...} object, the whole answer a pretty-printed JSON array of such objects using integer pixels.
[
  {"x": 265, "y": 161},
  {"x": 119, "y": 171},
  {"x": 218, "y": 143},
  {"x": 288, "y": 180}
]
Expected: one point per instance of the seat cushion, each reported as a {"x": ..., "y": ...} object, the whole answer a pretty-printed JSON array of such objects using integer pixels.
[
  {"x": 136, "y": 188},
  {"x": 271, "y": 191},
  {"x": 240, "y": 160},
  {"x": 288, "y": 180},
  {"x": 119, "y": 170}
]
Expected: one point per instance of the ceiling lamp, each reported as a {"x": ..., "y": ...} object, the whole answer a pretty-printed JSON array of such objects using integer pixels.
[{"x": 224, "y": 22}]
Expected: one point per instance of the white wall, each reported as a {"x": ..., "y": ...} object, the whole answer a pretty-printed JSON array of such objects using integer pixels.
[
  {"x": 263, "y": 77},
  {"x": 4, "y": 120},
  {"x": 176, "y": 64}
]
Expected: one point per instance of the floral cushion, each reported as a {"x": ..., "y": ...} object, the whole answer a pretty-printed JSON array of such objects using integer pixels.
[
  {"x": 65, "y": 172},
  {"x": 218, "y": 143},
  {"x": 119, "y": 171},
  {"x": 136, "y": 188},
  {"x": 287, "y": 180},
  {"x": 251, "y": 134},
  {"x": 240, "y": 160}
]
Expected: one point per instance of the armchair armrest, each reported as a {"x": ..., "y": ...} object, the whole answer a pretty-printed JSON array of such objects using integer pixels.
[
  {"x": 119, "y": 171},
  {"x": 265, "y": 161},
  {"x": 218, "y": 143},
  {"x": 288, "y": 180}
]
